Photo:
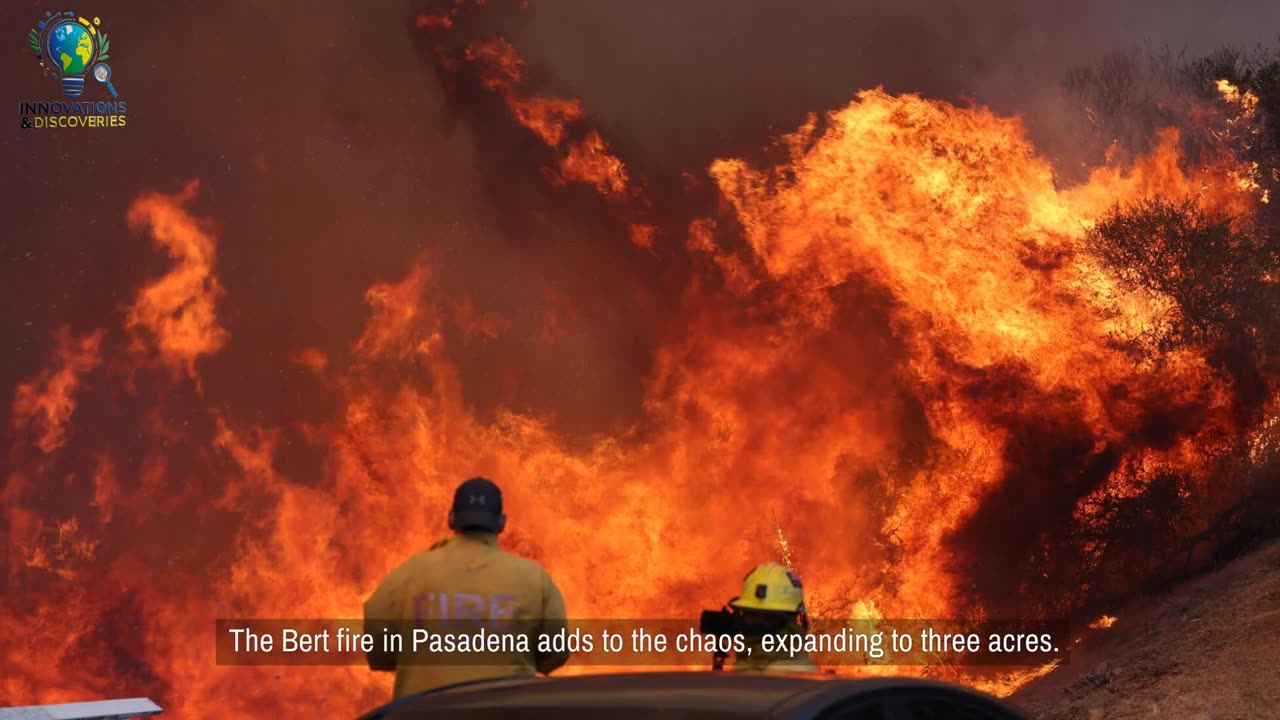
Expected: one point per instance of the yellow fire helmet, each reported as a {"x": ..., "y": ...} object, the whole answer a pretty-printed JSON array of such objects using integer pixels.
[{"x": 771, "y": 587}]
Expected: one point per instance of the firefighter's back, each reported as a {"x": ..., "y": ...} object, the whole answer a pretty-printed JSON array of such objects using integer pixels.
[
  {"x": 466, "y": 609},
  {"x": 468, "y": 589}
]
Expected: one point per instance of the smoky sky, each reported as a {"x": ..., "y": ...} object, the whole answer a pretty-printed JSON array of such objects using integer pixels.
[
  {"x": 330, "y": 158},
  {"x": 689, "y": 80}
]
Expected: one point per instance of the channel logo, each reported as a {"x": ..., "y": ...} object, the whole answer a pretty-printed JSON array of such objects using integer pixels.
[{"x": 69, "y": 47}]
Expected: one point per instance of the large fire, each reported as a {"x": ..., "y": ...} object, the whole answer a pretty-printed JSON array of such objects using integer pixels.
[{"x": 896, "y": 370}]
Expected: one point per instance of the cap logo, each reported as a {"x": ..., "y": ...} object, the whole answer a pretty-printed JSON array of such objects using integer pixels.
[
  {"x": 476, "y": 499},
  {"x": 761, "y": 591}
]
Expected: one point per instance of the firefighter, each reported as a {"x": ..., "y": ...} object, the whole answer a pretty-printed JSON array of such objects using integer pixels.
[
  {"x": 467, "y": 578},
  {"x": 771, "y": 603}
]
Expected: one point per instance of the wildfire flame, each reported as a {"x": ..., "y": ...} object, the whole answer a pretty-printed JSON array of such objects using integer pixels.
[
  {"x": 587, "y": 160},
  {"x": 1245, "y": 120},
  {"x": 176, "y": 312},
  {"x": 906, "y": 339},
  {"x": 44, "y": 404},
  {"x": 1103, "y": 622}
]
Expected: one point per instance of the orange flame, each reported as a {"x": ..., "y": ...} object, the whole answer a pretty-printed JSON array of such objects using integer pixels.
[
  {"x": 44, "y": 405},
  {"x": 590, "y": 162},
  {"x": 1103, "y": 622},
  {"x": 587, "y": 160},
  {"x": 177, "y": 312},
  {"x": 547, "y": 116}
]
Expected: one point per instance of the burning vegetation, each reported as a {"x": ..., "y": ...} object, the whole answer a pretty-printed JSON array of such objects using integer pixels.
[{"x": 954, "y": 386}]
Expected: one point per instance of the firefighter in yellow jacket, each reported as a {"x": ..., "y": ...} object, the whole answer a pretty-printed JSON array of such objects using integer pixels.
[
  {"x": 465, "y": 583},
  {"x": 771, "y": 603}
]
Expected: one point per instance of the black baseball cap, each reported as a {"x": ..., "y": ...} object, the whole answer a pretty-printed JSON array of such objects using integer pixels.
[{"x": 477, "y": 504}]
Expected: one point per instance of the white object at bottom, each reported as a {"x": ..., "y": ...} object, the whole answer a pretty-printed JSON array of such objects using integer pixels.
[{"x": 97, "y": 710}]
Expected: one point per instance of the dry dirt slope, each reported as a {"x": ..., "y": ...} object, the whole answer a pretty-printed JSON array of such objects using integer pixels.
[{"x": 1210, "y": 650}]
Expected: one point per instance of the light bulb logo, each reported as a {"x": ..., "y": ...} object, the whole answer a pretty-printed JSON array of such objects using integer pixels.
[
  {"x": 67, "y": 47},
  {"x": 70, "y": 47}
]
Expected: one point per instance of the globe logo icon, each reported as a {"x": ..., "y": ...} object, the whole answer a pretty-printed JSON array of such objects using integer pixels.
[{"x": 70, "y": 48}]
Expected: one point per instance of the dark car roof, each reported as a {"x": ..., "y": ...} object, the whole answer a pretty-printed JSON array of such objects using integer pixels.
[{"x": 709, "y": 694}]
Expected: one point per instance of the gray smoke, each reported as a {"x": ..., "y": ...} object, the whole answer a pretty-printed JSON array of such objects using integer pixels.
[{"x": 680, "y": 80}]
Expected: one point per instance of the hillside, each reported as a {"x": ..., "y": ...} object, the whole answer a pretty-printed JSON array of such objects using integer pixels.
[{"x": 1208, "y": 649}]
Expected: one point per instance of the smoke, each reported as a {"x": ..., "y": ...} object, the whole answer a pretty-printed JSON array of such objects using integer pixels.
[{"x": 681, "y": 83}]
